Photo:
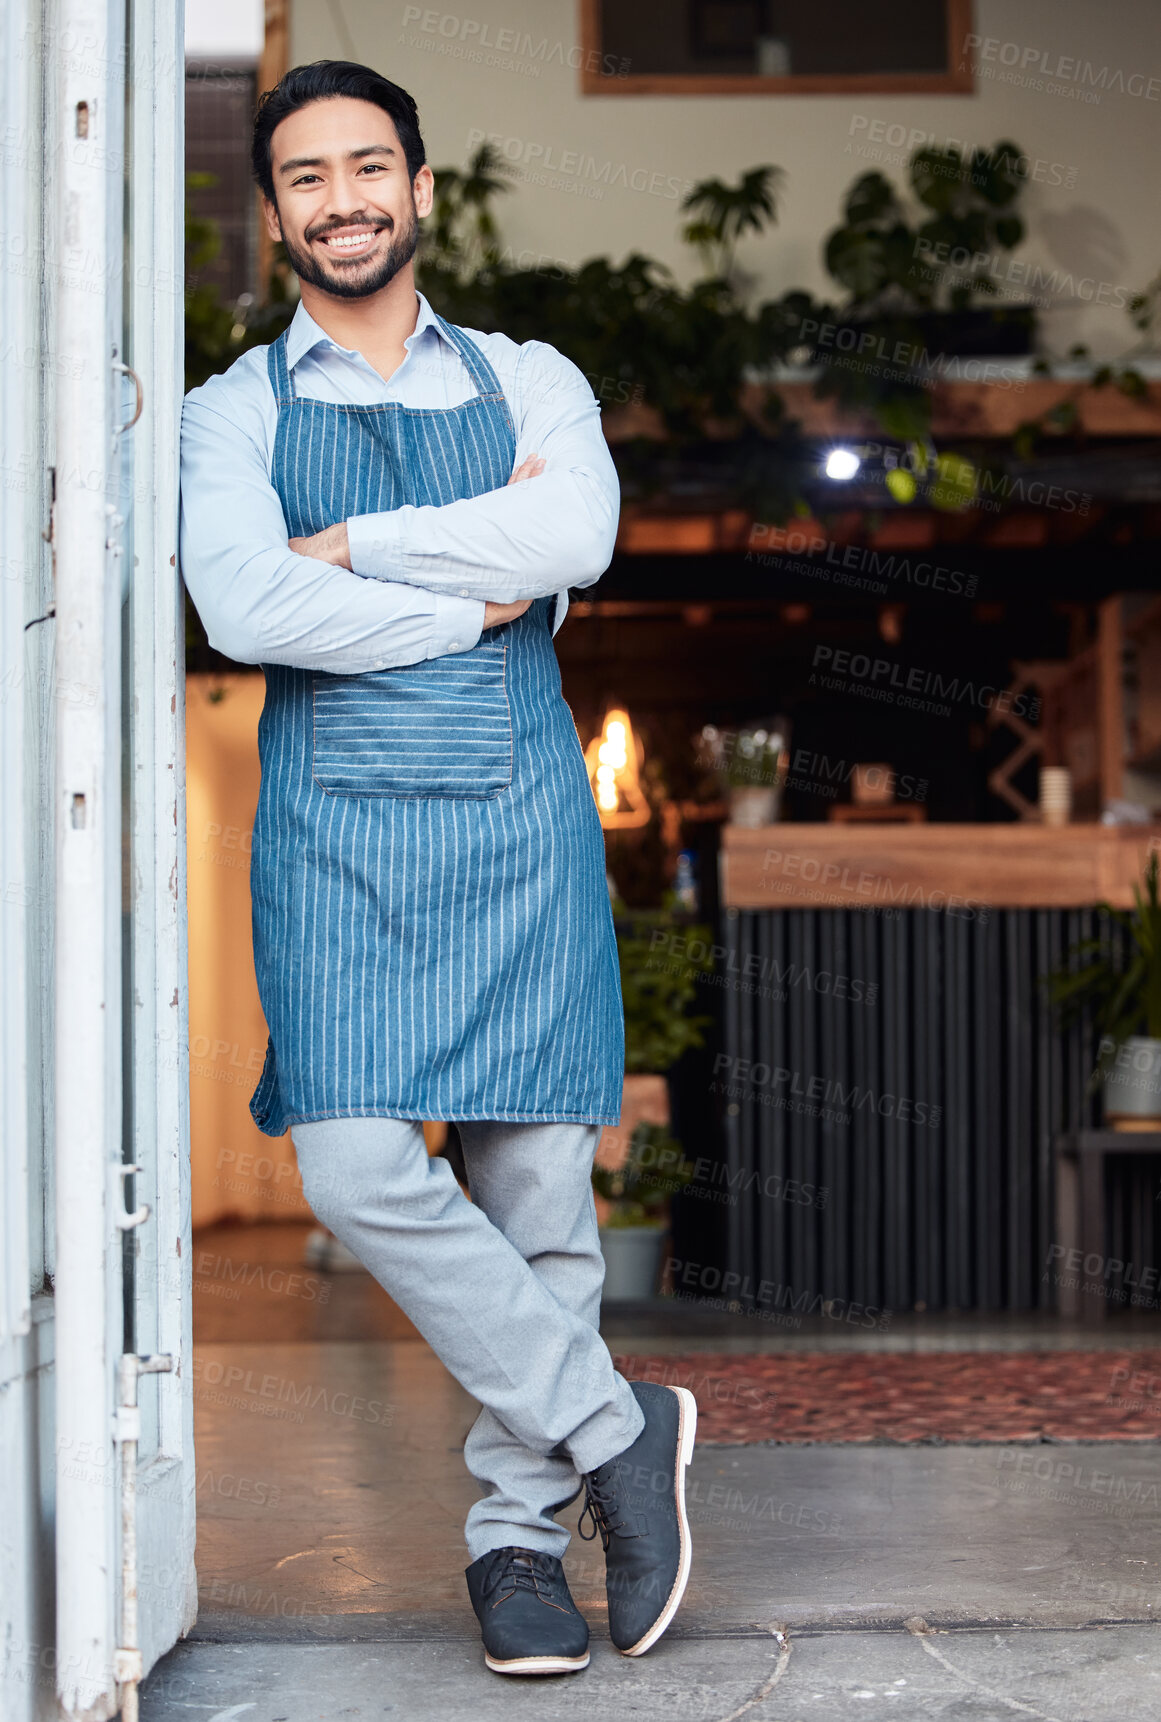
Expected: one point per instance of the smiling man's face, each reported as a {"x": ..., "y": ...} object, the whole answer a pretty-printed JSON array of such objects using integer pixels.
[{"x": 347, "y": 211}]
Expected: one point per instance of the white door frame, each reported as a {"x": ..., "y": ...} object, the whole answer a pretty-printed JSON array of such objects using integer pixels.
[
  {"x": 155, "y": 288},
  {"x": 99, "y": 540}
]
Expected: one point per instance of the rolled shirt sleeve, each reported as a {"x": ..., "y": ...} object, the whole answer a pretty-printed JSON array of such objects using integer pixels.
[
  {"x": 525, "y": 540},
  {"x": 259, "y": 601}
]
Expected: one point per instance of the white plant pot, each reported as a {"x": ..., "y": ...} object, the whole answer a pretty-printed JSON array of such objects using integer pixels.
[
  {"x": 752, "y": 806},
  {"x": 1133, "y": 1085},
  {"x": 632, "y": 1261}
]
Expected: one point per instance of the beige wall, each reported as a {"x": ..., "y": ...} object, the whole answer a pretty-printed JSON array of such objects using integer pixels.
[
  {"x": 236, "y": 1169},
  {"x": 1103, "y": 228}
]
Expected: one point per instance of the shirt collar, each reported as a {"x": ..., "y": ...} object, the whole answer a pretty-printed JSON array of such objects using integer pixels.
[{"x": 304, "y": 334}]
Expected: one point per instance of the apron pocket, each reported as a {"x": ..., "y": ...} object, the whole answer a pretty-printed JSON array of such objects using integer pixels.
[{"x": 441, "y": 728}]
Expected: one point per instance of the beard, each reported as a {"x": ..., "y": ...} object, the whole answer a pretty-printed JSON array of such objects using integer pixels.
[{"x": 356, "y": 279}]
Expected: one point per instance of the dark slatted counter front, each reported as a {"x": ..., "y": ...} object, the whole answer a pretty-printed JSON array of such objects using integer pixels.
[{"x": 889, "y": 1077}]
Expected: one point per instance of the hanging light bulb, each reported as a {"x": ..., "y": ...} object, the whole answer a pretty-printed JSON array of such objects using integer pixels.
[
  {"x": 612, "y": 762},
  {"x": 842, "y": 464}
]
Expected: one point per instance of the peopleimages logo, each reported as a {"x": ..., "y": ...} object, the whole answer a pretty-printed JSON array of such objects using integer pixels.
[
  {"x": 978, "y": 163},
  {"x": 737, "y": 1292},
  {"x": 824, "y": 774},
  {"x": 882, "y": 565},
  {"x": 696, "y": 957},
  {"x": 484, "y": 44},
  {"x": 805, "y": 1086},
  {"x": 790, "y": 874},
  {"x": 879, "y": 355},
  {"x": 539, "y": 158},
  {"x": 882, "y": 674},
  {"x": 1046, "y": 285},
  {"x": 1040, "y": 68}
]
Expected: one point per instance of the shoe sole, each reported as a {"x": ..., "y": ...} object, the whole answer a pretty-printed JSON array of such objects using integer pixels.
[
  {"x": 538, "y": 1664},
  {"x": 686, "y": 1430}
]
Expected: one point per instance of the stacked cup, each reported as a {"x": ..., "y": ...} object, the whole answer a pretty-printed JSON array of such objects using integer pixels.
[{"x": 1055, "y": 794}]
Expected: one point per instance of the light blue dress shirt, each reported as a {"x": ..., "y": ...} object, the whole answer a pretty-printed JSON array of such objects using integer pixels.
[{"x": 421, "y": 575}]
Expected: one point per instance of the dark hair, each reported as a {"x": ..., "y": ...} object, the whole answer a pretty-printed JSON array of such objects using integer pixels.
[{"x": 318, "y": 82}]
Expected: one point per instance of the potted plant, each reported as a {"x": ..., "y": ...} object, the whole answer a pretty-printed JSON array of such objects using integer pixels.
[
  {"x": 633, "y": 1203},
  {"x": 920, "y": 284},
  {"x": 658, "y": 991},
  {"x": 1122, "y": 987},
  {"x": 751, "y": 764}
]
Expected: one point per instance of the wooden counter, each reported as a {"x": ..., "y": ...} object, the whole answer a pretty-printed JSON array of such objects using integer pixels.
[{"x": 932, "y": 866}]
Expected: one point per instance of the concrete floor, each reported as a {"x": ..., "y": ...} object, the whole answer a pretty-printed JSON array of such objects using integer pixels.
[
  {"x": 932, "y": 1582},
  {"x": 1108, "y": 1675}
]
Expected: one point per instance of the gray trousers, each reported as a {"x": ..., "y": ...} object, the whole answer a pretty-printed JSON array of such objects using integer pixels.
[{"x": 506, "y": 1289}]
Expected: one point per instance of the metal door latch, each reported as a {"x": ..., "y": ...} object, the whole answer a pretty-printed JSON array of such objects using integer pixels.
[{"x": 122, "y": 1218}]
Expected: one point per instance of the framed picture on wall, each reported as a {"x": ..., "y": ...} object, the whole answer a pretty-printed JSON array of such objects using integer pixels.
[
  {"x": 790, "y": 47},
  {"x": 725, "y": 27}
]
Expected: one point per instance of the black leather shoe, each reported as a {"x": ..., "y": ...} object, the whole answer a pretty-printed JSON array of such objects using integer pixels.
[
  {"x": 637, "y": 1503},
  {"x": 529, "y": 1621}
]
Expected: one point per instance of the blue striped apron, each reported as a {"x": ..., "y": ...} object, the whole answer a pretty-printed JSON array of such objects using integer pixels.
[{"x": 432, "y": 929}]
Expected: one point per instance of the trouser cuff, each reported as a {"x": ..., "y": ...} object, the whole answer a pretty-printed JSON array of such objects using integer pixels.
[{"x": 608, "y": 1432}]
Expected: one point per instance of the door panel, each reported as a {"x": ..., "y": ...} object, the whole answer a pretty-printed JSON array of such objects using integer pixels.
[
  {"x": 154, "y": 683},
  {"x": 123, "y": 1254}
]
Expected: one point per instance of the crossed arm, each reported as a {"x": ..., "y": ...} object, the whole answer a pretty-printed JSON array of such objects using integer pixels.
[
  {"x": 333, "y": 544},
  {"x": 383, "y": 590}
]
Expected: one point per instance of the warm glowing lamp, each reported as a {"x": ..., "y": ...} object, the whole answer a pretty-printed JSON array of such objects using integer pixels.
[{"x": 612, "y": 761}]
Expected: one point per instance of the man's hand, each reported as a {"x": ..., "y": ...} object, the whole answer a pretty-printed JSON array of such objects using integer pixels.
[
  {"x": 530, "y": 468},
  {"x": 494, "y": 614},
  {"x": 329, "y": 545}
]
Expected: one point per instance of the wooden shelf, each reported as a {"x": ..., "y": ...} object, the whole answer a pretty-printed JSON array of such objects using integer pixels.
[
  {"x": 979, "y": 409},
  {"x": 932, "y": 866},
  {"x": 889, "y": 813}
]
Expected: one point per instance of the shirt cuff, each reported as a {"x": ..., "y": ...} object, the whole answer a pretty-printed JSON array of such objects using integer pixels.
[
  {"x": 374, "y": 542},
  {"x": 456, "y": 624}
]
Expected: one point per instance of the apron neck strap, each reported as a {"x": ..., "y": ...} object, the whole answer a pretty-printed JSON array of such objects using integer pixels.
[
  {"x": 482, "y": 375},
  {"x": 279, "y": 371}
]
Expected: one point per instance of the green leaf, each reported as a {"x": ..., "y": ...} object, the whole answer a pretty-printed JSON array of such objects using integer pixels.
[
  {"x": 1132, "y": 384},
  {"x": 937, "y": 177},
  {"x": 1118, "y": 987},
  {"x": 857, "y": 259},
  {"x": 956, "y": 483},
  {"x": 1062, "y": 416},
  {"x": 659, "y": 988},
  {"x": 871, "y": 198}
]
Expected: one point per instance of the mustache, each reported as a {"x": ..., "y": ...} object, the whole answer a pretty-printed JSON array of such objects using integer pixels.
[{"x": 385, "y": 223}]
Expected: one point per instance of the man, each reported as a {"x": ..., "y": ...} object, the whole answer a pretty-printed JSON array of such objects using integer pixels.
[{"x": 385, "y": 512}]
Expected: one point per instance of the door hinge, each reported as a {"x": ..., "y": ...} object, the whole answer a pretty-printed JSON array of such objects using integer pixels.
[{"x": 126, "y": 1666}]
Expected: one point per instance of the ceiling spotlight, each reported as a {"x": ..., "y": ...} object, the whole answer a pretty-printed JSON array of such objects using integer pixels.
[{"x": 842, "y": 463}]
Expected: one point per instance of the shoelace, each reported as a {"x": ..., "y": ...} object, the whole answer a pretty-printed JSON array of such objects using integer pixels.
[
  {"x": 525, "y": 1569},
  {"x": 600, "y": 1504}
]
